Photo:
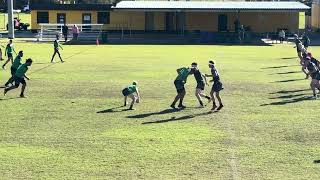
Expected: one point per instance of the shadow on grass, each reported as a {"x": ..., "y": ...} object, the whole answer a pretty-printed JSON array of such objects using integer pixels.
[
  {"x": 113, "y": 110},
  {"x": 288, "y": 101},
  {"x": 290, "y": 72},
  {"x": 316, "y": 161},
  {"x": 7, "y": 99},
  {"x": 166, "y": 111},
  {"x": 290, "y": 91},
  {"x": 288, "y": 80},
  {"x": 278, "y": 67},
  {"x": 289, "y": 58},
  {"x": 179, "y": 118},
  {"x": 288, "y": 96}
]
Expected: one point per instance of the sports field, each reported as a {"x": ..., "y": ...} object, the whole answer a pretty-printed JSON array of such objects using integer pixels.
[{"x": 269, "y": 129}]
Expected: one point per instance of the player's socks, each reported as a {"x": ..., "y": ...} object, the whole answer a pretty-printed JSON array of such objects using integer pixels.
[
  {"x": 214, "y": 106},
  {"x": 201, "y": 104},
  {"x": 207, "y": 97},
  {"x": 173, "y": 106},
  {"x": 22, "y": 95},
  {"x": 220, "y": 107},
  {"x": 5, "y": 91},
  {"x": 131, "y": 107}
]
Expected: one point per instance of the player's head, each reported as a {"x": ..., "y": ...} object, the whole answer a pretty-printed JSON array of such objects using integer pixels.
[
  {"x": 309, "y": 54},
  {"x": 211, "y": 64},
  {"x": 20, "y": 53},
  {"x": 29, "y": 62},
  {"x": 135, "y": 83},
  {"x": 194, "y": 67},
  {"x": 10, "y": 41},
  {"x": 57, "y": 36}
]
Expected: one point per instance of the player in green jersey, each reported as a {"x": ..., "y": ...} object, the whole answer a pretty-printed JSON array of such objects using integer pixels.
[
  {"x": 15, "y": 65},
  {"x": 9, "y": 53},
  {"x": 20, "y": 77},
  {"x": 56, "y": 46},
  {"x": 130, "y": 92},
  {"x": 179, "y": 82}
]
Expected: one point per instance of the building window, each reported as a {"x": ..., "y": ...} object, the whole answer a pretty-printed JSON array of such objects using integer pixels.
[
  {"x": 103, "y": 17},
  {"x": 42, "y": 17}
]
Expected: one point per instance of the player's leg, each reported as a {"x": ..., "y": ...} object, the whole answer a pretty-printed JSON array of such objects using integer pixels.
[
  {"x": 7, "y": 89},
  {"x": 8, "y": 60},
  {"x": 125, "y": 100},
  {"x": 60, "y": 56},
  {"x": 182, "y": 95},
  {"x": 313, "y": 88},
  {"x": 54, "y": 54},
  {"x": 133, "y": 98},
  {"x": 214, "y": 106},
  {"x": 24, "y": 85},
  {"x": 197, "y": 94},
  {"x": 220, "y": 101},
  {"x": 1, "y": 58}
]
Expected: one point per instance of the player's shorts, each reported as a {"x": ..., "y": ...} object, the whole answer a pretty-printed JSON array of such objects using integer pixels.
[
  {"x": 179, "y": 86},
  {"x": 18, "y": 80},
  {"x": 126, "y": 92},
  {"x": 13, "y": 71},
  {"x": 200, "y": 85},
  {"x": 217, "y": 86},
  {"x": 9, "y": 55},
  {"x": 316, "y": 76}
]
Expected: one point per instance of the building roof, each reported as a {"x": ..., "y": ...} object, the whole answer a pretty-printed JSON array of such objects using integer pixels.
[
  {"x": 211, "y": 6},
  {"x": 82, "y": 7}
]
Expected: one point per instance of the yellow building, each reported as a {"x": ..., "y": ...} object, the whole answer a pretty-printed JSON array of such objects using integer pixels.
[{"x": 169, "y": 16}]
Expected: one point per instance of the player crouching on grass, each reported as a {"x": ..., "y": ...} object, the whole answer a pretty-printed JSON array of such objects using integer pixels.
[
  {"x": 181, "y": 79},
  {"x": 216, "y": 87},
  {"x": 315, "y": 75},
  {"x": 19, "y": 77},
  {"x": 200, "y": 78},
  {"x": 130, "y": 92}
]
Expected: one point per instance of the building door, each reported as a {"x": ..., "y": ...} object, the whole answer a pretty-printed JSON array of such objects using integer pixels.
[
  {"x": 149, "y": 21},
  {"x": 170, "y": 23},
  {"x": 86, "y": 19},
  {"x": 222, "y": 22},
  {"x": 61, "y": 19},
  {"x": 180, "y": 19}
]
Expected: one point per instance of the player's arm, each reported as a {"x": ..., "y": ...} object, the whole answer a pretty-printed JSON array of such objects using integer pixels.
[
  {"x": 208, "y": 75},
  {"x": 60, "y": 46},
  {"x": 26, "y": 77},
  {"x": 5, "y": 51},
  {"x": 178, "y": 70},
  {"x": 14, "y": 51},
  {"x": 205, "y": 79}
]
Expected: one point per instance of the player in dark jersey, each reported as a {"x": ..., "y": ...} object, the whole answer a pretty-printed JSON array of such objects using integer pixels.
[
  {"x": 56, "y": 46},
  {"x": 315, "y": 75},
  {"x": 179, "y": 82},
  {"x": 216, "y": 87},
  {"x": 201, "y": 82}
]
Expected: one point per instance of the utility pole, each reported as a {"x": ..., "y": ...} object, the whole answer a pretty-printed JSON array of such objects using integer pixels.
[{"x": 10, "y": 20}]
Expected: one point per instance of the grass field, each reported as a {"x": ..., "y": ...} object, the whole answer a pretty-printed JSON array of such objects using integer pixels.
[{"x": 269, "y": 129}]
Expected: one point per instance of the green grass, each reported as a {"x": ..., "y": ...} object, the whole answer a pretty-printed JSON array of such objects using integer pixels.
[{"x": 267, "y": 130}]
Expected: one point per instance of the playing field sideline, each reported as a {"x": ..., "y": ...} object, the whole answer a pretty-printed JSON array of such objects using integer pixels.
[{"x": 269, "y": 129}]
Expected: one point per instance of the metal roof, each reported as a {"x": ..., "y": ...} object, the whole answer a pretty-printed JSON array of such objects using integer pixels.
[
  {"x": 211, "y": 6},
  {"x": 82, "y": 7}
]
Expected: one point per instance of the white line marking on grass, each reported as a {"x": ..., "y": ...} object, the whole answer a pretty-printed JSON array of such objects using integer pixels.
[
  {"x": 51, "y": 64},
  {"x": 233, "y": 161}
]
